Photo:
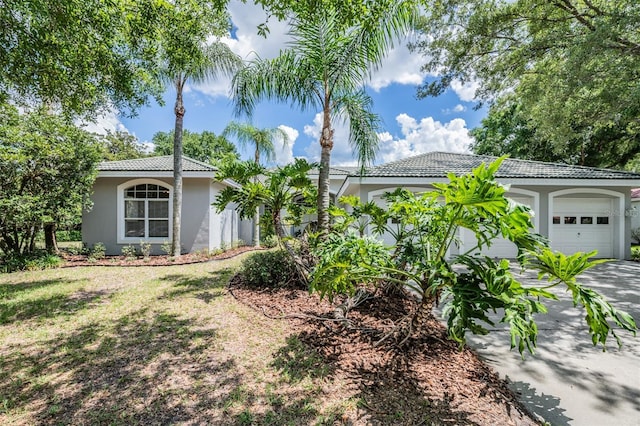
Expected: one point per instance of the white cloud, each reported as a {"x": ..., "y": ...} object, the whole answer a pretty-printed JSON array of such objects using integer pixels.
[
  {"x": 247, "y": 43},
  {"x": 418, "y": 137},
  {"x": 466, "y": 92},
  {"x": 424, "y": 136},
  {"x": 455, "y": 109},
  {"x": 284, "y": 153},
  {"x": 341, "y": 154},
  {"x": 400, "y": 66},
  {"x": 105, "y": 122}
]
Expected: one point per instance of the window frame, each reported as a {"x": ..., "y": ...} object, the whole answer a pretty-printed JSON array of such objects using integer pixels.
[{"x": 121, "y": 237}]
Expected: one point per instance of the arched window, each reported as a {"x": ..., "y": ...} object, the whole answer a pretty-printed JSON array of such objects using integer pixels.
[{"x": 144, "y": 209}]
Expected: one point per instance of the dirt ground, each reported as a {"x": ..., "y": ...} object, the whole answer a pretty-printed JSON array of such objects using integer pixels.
[{"x": 429, "y": 381}]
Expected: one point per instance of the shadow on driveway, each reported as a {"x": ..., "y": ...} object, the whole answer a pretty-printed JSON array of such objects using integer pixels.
[{"x": 569, "y": 381}]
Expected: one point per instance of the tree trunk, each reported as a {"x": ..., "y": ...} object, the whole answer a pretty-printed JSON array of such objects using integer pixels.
[
  {"x": 326, "y": 142},
  {"x": 256, "y": 227},
  {"x": 423, "y": 314},
  {"x": 302, "y": 270},
  {"x": 50, "y": 241},
  {"x": 256, "y": 216},
  {"x": 177, "y": 170}
]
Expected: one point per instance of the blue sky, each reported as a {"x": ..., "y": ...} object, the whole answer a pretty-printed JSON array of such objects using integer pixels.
[{"x": 410, "y": 126}]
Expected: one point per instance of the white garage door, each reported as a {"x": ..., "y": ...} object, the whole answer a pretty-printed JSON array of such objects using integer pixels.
[
  {"x": 582, "y": 224},
  {"x": 500, "y": 248}
]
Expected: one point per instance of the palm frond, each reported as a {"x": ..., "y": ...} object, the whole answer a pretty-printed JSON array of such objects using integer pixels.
[
  {"x": 363, "y": 125},
  {"x": 285, "y": 78},
  {"x": 262, "y": 140},
  {"x": 217, "y": 60}
]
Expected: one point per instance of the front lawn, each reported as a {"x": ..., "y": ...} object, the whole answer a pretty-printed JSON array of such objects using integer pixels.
[{"x": 171, "y": 345}]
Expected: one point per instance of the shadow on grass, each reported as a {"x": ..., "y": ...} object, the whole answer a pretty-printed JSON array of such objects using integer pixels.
[
  {"x": 8, "y": 291},
  {"x": 297, "y": 361},
  {"x": 147, "y": 368},
  {"x": 205, "y": 288},
  {"x": 47, "y": 307}
]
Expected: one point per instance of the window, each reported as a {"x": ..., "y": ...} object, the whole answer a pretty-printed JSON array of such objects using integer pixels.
[
  {"x": 586, "y": 220},
  {"x": 602, "y": 220},
  {"x": 556, "y": 220},
  {"x": 144, "y": 211},
  {"x": 570, "y": 220}
]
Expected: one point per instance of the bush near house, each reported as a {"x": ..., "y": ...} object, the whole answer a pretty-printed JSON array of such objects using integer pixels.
[{"x": 424, "y": 228}]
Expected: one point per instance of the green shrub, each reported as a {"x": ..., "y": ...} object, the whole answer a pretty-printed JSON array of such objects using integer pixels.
[
  {"x": 97, "y": 252},
  {"x": 73, "y": 235},
  {"x": 270, "y": 269},
  {"x": 270, "y": 241},
  {"x": 635, "y": 253},
  {"x": 145, "y": 249},
  {"x": 166, "y": 247},
  {"x": 40, "y": 259},
  {"x": 129, "y": 252}
]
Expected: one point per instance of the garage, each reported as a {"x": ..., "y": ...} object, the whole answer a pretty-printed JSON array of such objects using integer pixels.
[
  {"x": 583, "y": 224},
  {"x": 577, "y": 208},
  {"x": 500, "y": 248}
]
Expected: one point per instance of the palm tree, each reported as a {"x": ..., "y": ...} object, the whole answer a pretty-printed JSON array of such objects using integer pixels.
[
  {"x": 286, "y": 188},
  {"x": 188, "y": 56},
  {"x": 325, "y": 68},
  {"x": 263, "y": 141}
]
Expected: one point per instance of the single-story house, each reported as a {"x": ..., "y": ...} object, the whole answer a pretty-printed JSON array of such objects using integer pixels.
[
  {"x": 635, "y": 215},
  {"x": 133, "y": 203},
  {"x": 337, "y": 175},
  {"x": 577, "y": 208}
]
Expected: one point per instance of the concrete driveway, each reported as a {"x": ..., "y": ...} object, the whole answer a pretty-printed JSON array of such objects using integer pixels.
[{"x": 569, "y": 381}]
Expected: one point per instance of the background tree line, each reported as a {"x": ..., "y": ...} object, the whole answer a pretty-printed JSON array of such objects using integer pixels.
[{"x": 561, "y": 77}]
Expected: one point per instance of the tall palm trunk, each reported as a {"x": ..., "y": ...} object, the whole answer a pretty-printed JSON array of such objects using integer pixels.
[
  {"x": 326, "y": 142},
  {"x": 177, "y": 168},
  {"x": 256, "y": 216}
]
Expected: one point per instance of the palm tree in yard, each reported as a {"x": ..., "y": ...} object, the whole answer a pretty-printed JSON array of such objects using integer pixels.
[
  {"x": 263, "y": 143},
  {"x": 190, "y": 56},
  {"x": 325, "y": 68}
]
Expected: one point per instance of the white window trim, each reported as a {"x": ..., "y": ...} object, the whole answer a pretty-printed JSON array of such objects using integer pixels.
[{"x": 121, "y": 239}]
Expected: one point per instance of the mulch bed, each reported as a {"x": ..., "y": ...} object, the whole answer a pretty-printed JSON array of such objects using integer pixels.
[
  {"x": 71, "y": 260},
  {"x": 429, "y": 380}
]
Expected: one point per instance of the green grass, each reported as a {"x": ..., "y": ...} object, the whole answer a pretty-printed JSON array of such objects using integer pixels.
[{"x": 150, "y": 345}]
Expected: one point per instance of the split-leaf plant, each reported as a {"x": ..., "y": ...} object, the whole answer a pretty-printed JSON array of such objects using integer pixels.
[
  {"x": 422, "y": 261},
  {"x": 287, "y": 189}
]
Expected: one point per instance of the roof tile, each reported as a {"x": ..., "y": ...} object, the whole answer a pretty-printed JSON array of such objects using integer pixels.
[
  {"x": 438, "y": 164},
  {"x": 155, "y": 164}
]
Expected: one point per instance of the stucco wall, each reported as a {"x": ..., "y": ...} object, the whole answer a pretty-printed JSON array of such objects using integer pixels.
[
  {"x": 202, "y": 228},
  {"x": 622, "y": 217}
]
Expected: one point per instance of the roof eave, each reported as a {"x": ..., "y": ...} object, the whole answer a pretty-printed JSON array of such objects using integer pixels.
[{"x": 154, "y": 174}]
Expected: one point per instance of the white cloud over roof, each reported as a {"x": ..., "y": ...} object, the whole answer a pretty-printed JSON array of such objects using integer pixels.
[
  {"x": 107, "y": 121},
  {"x": 423, "y": 136},
  {"x": 418, "y": 137},
  {"x": 284, "y": 153}
]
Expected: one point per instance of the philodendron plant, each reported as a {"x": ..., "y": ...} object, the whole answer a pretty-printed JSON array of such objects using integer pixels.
[{"x": 424, "y": 228}]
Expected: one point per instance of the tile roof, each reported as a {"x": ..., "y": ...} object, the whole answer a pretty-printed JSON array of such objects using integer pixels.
[
  {"x": 438, "y": 164},
  {"x": 337, "y": 170},
  {"x": 155, "y": 164}
]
